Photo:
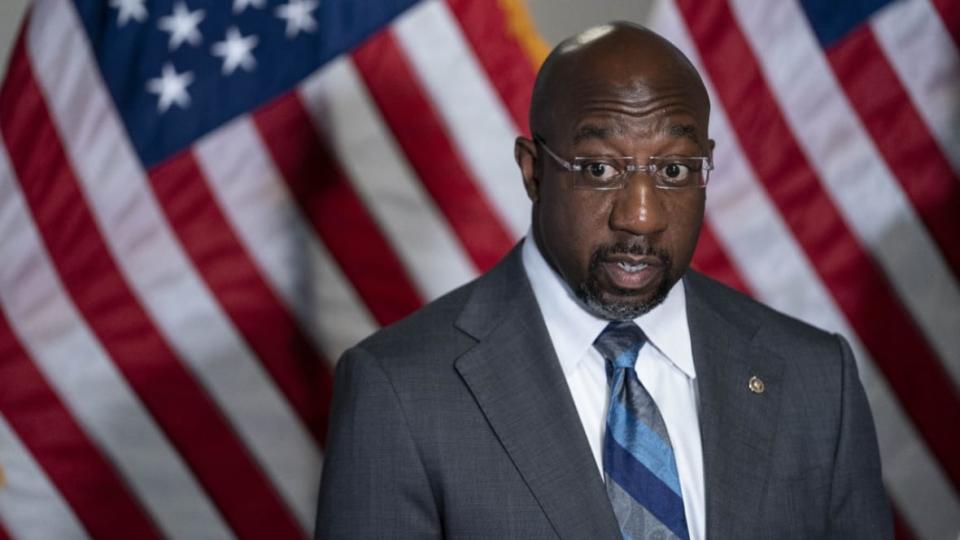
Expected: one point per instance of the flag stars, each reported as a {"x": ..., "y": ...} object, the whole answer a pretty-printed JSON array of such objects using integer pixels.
[
  {"x": 171, "y": 87},
  {"x": 182, "y": 26},
  {"x": 236, "y": 51},
  {"x": 299, "y": 17},
  {"x": 129, "y": 9},
  {"x": 240, "y": 5}
]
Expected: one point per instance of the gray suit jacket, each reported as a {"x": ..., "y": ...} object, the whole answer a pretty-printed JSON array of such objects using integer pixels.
[{"x": 457, "y": 422}]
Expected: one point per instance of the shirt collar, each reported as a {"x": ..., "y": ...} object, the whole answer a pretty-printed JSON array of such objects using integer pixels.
[{"x": 573, "y": 330}]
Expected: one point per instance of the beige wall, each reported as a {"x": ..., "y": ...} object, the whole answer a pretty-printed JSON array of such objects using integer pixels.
[{"x": 556, "y": 19}]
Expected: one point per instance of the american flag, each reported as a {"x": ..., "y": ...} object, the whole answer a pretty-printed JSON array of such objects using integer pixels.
[{"x": 203, "y": 203}]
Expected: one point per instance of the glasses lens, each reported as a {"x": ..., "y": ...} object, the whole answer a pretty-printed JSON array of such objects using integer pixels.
[
  {"x": 600, "y": 173},
  {"x": 680, "y": 172}
]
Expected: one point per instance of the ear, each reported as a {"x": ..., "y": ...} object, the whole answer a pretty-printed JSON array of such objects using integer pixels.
[
  {"x": 712, "y": 144},
  {"x": 525, "y": 152}
]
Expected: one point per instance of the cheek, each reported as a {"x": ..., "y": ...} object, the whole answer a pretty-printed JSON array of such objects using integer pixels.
[
  {"x": 573, "y": 223},
  {"x": 684, "y": 230}
]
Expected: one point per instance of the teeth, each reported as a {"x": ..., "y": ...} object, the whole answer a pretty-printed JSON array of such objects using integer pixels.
[{"x": 631, "y": 267}]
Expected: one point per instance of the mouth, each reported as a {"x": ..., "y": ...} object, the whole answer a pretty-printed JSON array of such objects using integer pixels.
[{"x": 632, "y": 274}]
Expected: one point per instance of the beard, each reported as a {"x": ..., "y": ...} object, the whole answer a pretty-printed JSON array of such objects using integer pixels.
[{"x": 630, "y": 305}]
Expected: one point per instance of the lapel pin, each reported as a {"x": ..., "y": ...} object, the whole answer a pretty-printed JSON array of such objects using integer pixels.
[{"x": 755, "y": 385}]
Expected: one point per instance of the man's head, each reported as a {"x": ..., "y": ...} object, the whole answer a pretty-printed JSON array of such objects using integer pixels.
[{"x": 611, "y": 91}]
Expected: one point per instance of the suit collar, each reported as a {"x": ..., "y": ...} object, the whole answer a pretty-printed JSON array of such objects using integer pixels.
[
  {"x": 737, "y": 424},
  {"x": 516, "y": 379}
]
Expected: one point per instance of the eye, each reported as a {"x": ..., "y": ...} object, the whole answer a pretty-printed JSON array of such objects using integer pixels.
[
  {"x": 599, "y": 171},
  {"x": 676, "y": 172}
]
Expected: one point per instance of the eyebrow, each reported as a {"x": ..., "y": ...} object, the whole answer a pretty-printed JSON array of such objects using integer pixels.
[
  {"x": 683, "y": 130},
  {"x": 593, "y": 131}
]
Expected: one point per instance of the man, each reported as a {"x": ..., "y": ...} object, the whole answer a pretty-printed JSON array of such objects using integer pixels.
[{"x": 590, "y": 386}]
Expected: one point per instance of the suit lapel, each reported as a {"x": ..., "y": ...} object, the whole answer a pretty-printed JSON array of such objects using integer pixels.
[
  {"x": 737, "y": 423},
  {"x": 516, "y": 380}
]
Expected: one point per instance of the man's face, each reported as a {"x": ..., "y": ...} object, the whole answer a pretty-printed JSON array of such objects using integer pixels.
[{"x": 620, "y": 251}]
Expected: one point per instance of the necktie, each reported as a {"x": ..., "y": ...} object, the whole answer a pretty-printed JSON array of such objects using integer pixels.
[{"x": 638, "y": 461}]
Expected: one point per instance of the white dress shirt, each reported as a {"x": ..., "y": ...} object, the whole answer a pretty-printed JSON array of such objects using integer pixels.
[{"x": 664, "y": 366}]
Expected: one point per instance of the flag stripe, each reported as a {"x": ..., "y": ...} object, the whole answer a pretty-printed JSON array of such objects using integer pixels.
[
  {"x": 153, "y": 263},
  {"x": 477, "y": 122},
  {"x": 865, "y": 191},
  {"x": 901, "y": 530},
  {"x": 950, "y": 14},
  {"x": 421, "y": 135},
  {"x": 902, "y": 137},
  {"x": 744, "y": 218},
  {"x": 860, "y": 289},
  {"x": 325, "y": 197},
  {"x": 711, "y": 259},
  {"x": 249, "y": 302},
  {"x": 343, "y": 112},
  {"x": 30, "y": 505},
  {"x": 782, "y": 277},
  {"x": 501, "y": 55},
  {"x": 277, "y": 343},
  {"x": 47, "y": 429},
  {"x": 268, "y": 221},
  {"x": 55, "y": 336},
  {"x": 927, "y": 63},
  {"x": 183, "y": 409}
]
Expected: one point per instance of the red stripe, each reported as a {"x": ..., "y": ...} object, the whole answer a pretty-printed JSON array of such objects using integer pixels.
[
  {"x": 232, "y": 276},
  {"x": 86, "y": 480},
  {"x": 711, "y": 259},
  {"x": 901, "y": 529},
  {"x": 950, "y": 15},
  {"x": 902, "y": 137},
  {"x": 98, "y": 288},
  {"x": 337, "y": 214},
  {"x": 858, "y": 286},
  {"x": 4, "y": 535},
  {"x": 500, "y": 54},
  {"x": 421, "y": 134}
]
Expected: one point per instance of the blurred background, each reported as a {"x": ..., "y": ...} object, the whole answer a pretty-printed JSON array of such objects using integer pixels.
[{"x": 203, "y": 203}]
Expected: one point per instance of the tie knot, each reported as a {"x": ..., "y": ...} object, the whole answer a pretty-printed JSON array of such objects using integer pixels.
[{"x": 620, "y": 342}]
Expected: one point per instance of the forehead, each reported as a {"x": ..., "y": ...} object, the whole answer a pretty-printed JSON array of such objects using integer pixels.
[
  {"x": 623, "y": 98},
  {"x": 601, "y": 108}
]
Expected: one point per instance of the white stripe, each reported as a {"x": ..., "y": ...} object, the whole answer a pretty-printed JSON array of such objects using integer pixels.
[
  {"x": 295, "y": 262},
  {"x": 853, "y": 171},
  {"x": 480, "y": 127},
  {"x": 30, "y": 506},
  {"x": 154, "y": 264},
  {"x": 58, "y": 340},
  {"x": 769, "y": 259},
  {"x": 921, "y": 51},
  {"x": 341, "y": 107}
]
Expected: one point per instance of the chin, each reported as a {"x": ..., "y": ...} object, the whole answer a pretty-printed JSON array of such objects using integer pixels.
[{"x": 621, "y": 306}]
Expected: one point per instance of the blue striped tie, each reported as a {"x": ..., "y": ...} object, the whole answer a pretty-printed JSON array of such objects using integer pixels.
[{"x": 638, "y": 461}]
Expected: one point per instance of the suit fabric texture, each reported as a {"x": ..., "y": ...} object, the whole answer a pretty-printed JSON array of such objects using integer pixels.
[{"x": 457, "y": 422}]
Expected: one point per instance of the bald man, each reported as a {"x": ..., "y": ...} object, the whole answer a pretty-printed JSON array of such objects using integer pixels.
[{"x": 591, "y": 385}]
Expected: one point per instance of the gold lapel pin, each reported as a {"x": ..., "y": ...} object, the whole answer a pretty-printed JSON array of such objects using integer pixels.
[{"x": 755, "y": 385}]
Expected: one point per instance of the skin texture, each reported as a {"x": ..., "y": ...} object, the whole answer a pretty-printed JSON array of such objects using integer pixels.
[{"x": 615, "y": 90}]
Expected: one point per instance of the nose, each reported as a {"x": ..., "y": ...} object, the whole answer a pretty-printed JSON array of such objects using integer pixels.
[{"x": 639, "y": 208}]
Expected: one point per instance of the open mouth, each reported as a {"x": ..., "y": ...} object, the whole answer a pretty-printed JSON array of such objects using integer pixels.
[
  {"x": 627, "y": 267},
  {"x": 632, "y": 274}
]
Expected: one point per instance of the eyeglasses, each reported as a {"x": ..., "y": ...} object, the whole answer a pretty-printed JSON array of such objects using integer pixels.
[{"x": 608, "y": 173}]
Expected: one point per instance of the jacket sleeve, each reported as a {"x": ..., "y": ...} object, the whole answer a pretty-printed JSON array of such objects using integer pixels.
[
  {"x": 858, "y": 502},
  {"x": 374, "y": 484}
]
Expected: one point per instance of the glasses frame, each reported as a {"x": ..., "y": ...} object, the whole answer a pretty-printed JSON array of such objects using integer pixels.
[{"x": 706, "y": 165}]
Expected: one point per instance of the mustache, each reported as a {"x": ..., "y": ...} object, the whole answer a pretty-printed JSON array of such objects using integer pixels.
[{"x": 639, "y": 247}]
